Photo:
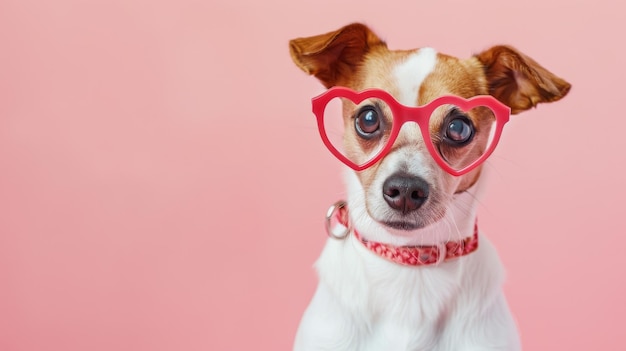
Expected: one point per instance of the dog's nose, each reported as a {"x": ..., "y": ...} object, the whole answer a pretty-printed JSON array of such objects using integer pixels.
[{"x": 404, "y": 192}]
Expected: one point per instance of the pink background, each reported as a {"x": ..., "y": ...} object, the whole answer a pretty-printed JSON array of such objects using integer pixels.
[{"x": 162, "y": 184}]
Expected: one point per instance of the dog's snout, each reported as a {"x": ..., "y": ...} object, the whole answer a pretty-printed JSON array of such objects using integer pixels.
[{"x": 404, "y": 192}]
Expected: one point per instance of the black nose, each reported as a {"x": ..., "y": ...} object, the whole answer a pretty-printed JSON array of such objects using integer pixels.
[{"x": 404, "y": 192}]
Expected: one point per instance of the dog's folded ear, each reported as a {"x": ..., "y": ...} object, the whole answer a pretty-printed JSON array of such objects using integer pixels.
[
  {"x": 519, "y": 81},
  {"x": 334, "y": 56}
]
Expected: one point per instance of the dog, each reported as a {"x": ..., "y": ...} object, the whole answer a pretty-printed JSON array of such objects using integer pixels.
[{"x": 406, "y": 268}]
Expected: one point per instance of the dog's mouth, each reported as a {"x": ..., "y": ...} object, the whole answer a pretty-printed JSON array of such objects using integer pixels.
[
  {"x": 416, "y": 220},
  {"x": 403, "y": 225}
]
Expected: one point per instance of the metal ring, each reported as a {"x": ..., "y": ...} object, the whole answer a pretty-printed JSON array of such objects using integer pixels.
[{"x": 329, "y": 216}]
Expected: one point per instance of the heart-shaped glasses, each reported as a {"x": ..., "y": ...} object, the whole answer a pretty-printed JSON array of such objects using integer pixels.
[{"x": 360, "y": 128}]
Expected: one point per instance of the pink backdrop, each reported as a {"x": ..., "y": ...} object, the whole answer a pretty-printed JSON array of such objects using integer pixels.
[{"x": 162, "y": 184}]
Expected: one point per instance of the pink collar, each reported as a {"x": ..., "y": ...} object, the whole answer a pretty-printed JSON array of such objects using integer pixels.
[
  {"x": 417, "y": 255},
  {"x": 423, "y": 255}
]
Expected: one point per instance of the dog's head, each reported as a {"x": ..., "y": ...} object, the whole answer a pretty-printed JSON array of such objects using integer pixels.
[{"x": 407, "y": 189}]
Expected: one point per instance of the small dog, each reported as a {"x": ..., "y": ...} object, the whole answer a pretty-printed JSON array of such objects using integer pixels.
[{"x": 416, "y": 125}]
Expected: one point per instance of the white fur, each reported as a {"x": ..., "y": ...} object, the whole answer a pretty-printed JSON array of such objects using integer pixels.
[
  {"x": 412, "y": 72},
  {"x": 364, "y": 302}
]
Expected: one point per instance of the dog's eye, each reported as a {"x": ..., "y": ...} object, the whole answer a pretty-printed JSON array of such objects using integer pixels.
[
  {"x": 459, "y": 131},
  {"x": 367, "y": 122}
]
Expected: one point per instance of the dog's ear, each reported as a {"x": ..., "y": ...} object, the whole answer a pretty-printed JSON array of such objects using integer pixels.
[
  {"x": 334, "y": 57},
  {"x": 519, "y": 81}
]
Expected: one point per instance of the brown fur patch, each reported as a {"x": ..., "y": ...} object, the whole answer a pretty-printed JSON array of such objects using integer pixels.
[
  {"x": 519, "y": 81},
  {"x": 334, "y": 57}
]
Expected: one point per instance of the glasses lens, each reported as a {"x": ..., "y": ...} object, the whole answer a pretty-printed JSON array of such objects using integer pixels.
[
  {"x": 462, "y": 137},
  {"x": 360, "y": 131}
]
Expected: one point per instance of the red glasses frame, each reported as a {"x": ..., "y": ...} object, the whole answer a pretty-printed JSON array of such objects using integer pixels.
[{"x": 402, "y": 114}]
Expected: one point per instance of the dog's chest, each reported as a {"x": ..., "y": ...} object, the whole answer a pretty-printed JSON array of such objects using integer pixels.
[
  {"x": 390, "y": 306},
  {"x": 393, "y": 335}
]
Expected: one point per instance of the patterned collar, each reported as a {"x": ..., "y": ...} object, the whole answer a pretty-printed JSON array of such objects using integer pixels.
[
  {"x": 422, "y": 255},
  {"x": 417, "y": 255}
]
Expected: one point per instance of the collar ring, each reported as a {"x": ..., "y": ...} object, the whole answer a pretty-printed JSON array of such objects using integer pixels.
[{"x": 338, "y": 210}]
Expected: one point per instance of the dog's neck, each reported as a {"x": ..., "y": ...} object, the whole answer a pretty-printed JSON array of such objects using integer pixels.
[
  {"x": 423, "y": 255},
  {"x": 457, "y": 224}
]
